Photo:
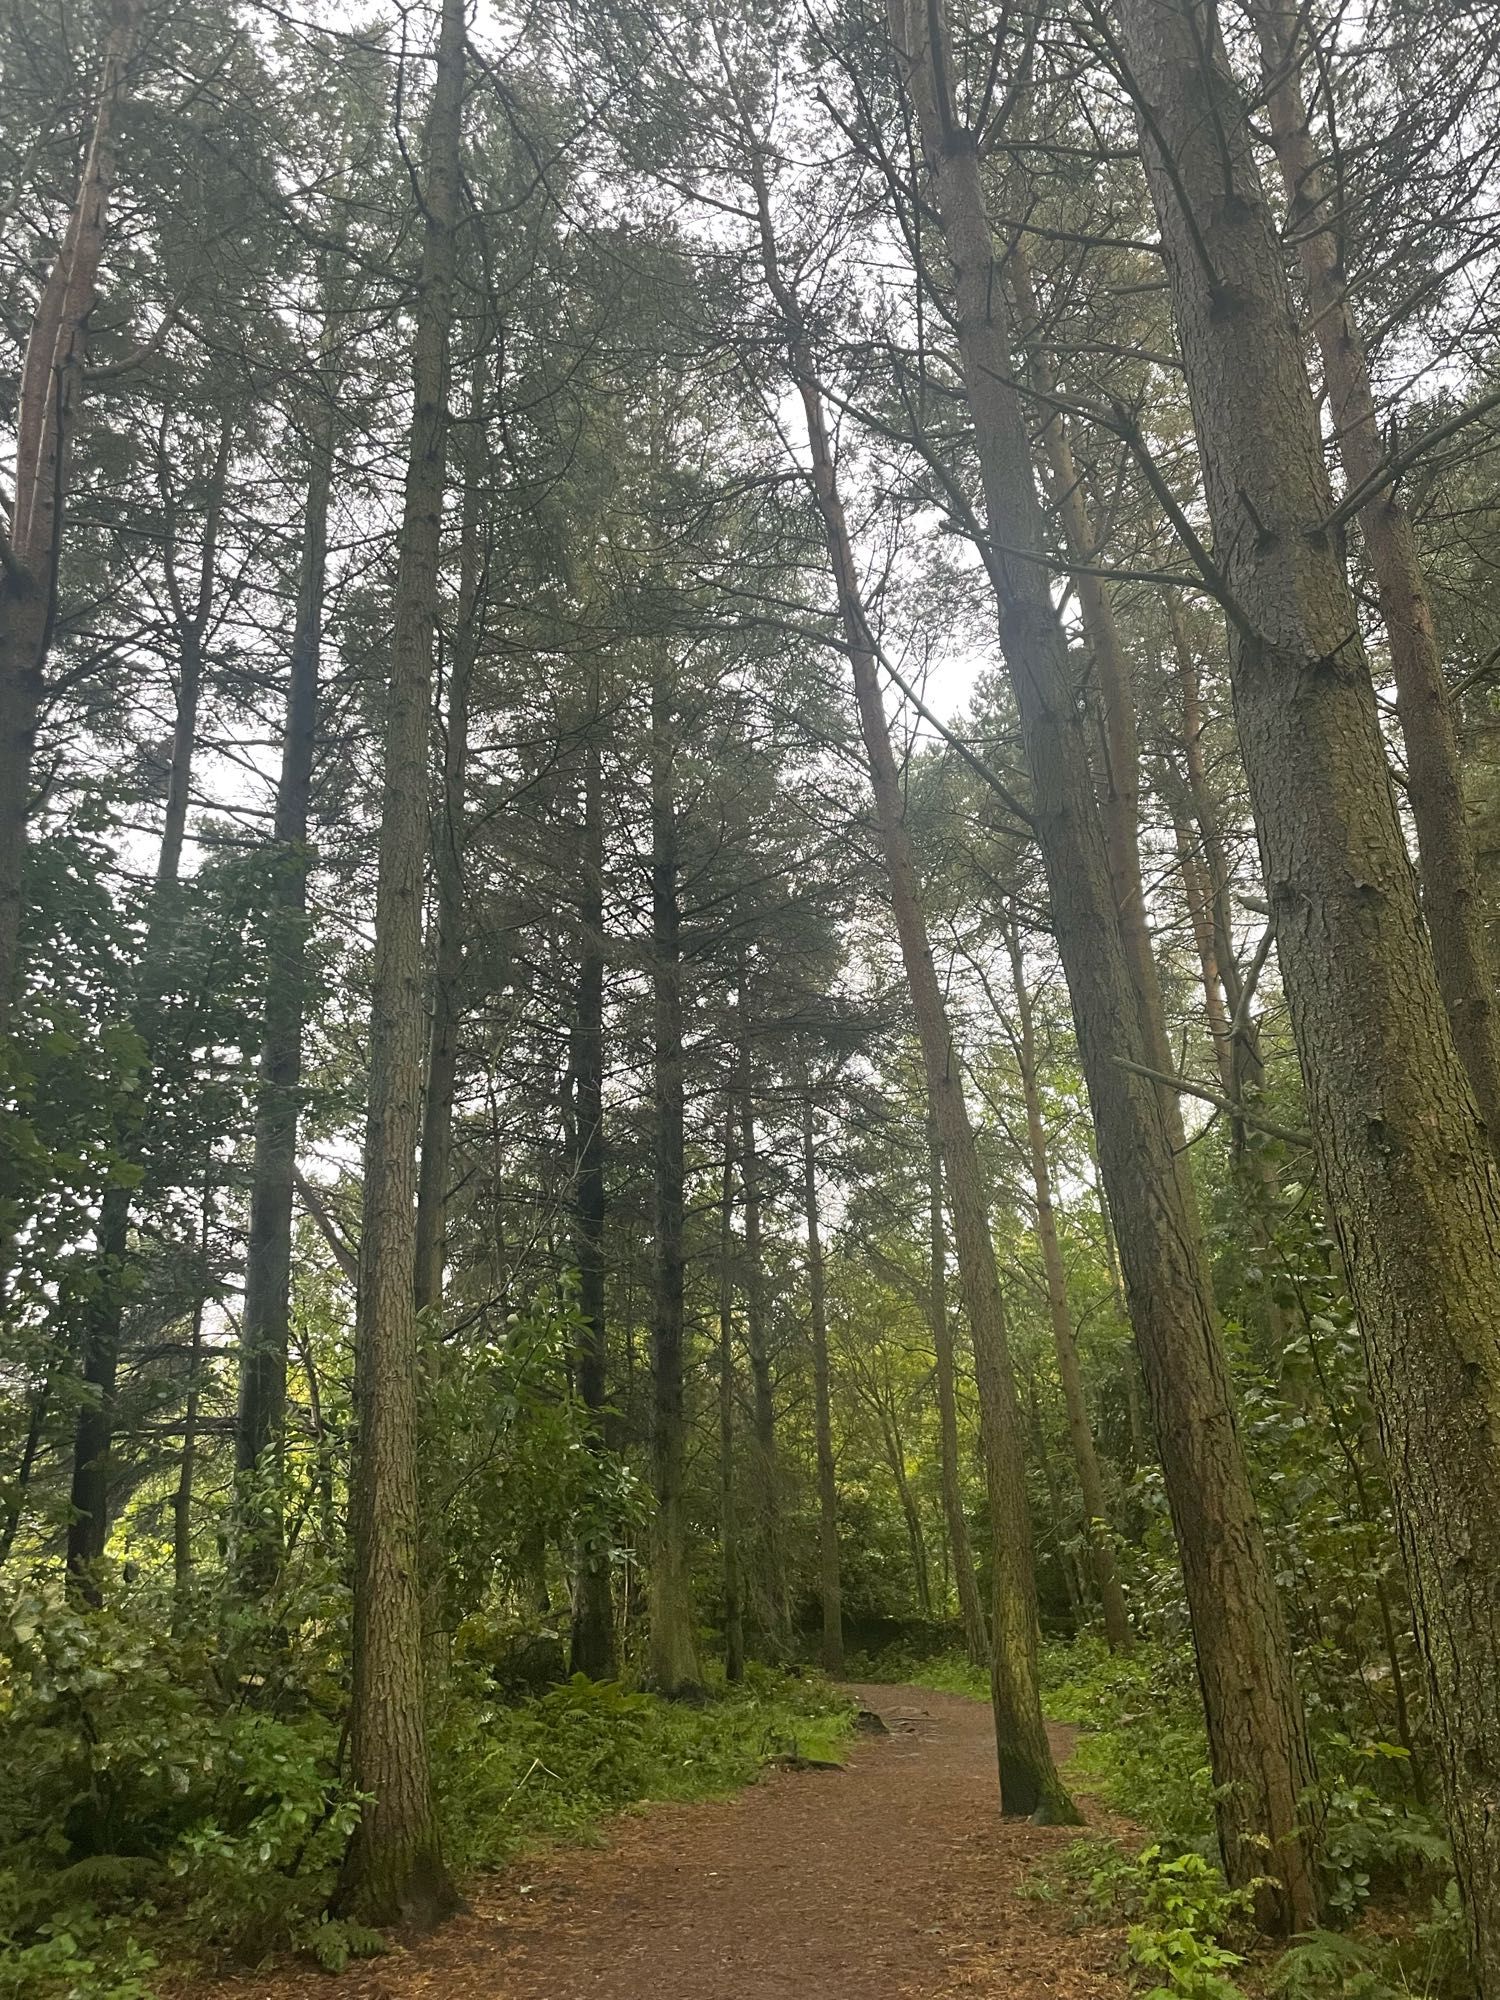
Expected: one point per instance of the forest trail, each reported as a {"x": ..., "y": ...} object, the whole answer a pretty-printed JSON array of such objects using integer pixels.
[{"x": 893, "y": 1879}]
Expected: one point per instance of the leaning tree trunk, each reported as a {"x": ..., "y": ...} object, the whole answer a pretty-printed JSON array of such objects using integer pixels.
[
  {"x": 266, "y": 1321},
  {"x": 672, "y": 1653},
  {"x": 394, "y": 1871},
  {"x": 593, "y": 1642},
  {"x": 828, "y": 1500},
  {"x": 1080, "y": 1431},
  {"x": 1404, "y": 1155},
  {"x": 48, "y": 398},
  {"x": 1028, "y": 1778},
  {"x": 1119, "y": 756},
  {"x": 1451, "y": 898},
  {"x": 970, "y": 1609},
  {"x": 1261, "y": 1757}
]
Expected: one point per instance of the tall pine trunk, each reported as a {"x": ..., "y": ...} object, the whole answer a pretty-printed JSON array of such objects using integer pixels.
[
  {"x": 1261, "y": 1757},
  {"x": 729, "y": 1524},
  {"x": 1405, "y": 1159},
  {"x": 394, "y": 1870},
  {"x": 769, "y": 1602},
  {"x": 673, "y": 1653},
  {"x": 970, "y": 1609},
  {"x": 448, "y": 922},
  {"x": 1451, "y": 897},
  {"x": 1070, "y": 1372},
  {"x": 94, "y": 1427},
  {"x": 266, "y": 1321},
  {"x": 1028, "y": 1778},
  {"x": 593, "y": 1614},
  {"x": 48, "y": 399},
  {"x": 828, "y": 1500}
]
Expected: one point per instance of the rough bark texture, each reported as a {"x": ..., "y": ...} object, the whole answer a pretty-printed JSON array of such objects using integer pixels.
[
  {"x": 1451, "y": 895},
  {"x": 1118, "y": 762},
  {"x": 1070, "y": 1372},
  {"x": 47, "y": 403},
  {"x": 1028, "y": 1779},
  {"x": 672, "y": 1656},
  {"x": 970, "y": 1609},
  {"x": 265, "y": 1324},
  {"x": 394, "y": 1872},
  {"x": 593, "y": 1645},
  {"x": 1404, "y": 1155},
  {"x": 1257, "y": 1733},
  {"x": 828, "y": 1500}
]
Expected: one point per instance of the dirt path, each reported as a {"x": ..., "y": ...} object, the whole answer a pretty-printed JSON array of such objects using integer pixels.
[{"x": 894, "y": 1879}]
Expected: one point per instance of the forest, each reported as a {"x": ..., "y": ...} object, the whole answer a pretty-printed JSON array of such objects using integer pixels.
[{"x": 749, "y": 910}]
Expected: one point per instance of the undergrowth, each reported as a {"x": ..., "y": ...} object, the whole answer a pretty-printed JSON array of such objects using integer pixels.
[
  {"x": 170, "y": 1798},
  {"x": 1395, "y": 1928}
]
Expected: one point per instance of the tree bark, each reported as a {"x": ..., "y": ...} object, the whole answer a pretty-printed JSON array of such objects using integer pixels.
[
  {"x": 1117, "y": 1631},
  {"x": 828, "y": 1501},
  {"x": 1258, "y": 1740},
  {"x": 729, "y": 1527},
  {"x": 449, "y": 913},
  {"x": 970, "y": 1609},
  {"x": 593, "y": 1644},
  {"x": 394, "y": 1871},
  {"x": 265, "y": 1325},
  {"x": 48, "y": 399},
  {"x": 673, "y": 1652},
  {"x": 1451, "y": 897},
  {"x": 769, "y": 1602},
  {"x": 1405, "y": 1158}
]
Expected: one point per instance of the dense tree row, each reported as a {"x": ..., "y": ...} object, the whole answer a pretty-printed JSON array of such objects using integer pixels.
[{"x": 746, "y": 865}]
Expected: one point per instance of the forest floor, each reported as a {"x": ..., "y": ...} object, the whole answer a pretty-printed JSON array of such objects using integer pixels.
[{"x": 892, "y": 1879}]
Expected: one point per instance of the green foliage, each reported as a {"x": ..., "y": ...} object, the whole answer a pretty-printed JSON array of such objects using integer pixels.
[
  {"x": 1186, "y": 1911},
  {"x": 143, "y": 1794},
  {"x": 509, "y": 1775},
  {"x": 163, "y": 1796},
  {"x": 1427, "y": 1960}
]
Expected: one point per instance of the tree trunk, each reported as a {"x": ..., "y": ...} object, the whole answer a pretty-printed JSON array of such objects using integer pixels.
[
  {"x": 828, "y": 1502},
  {"x": 1119, "y": 761},
  {"x": 266, "y": 1321},
  {"x": 1261, "y": 1757},
  {"x": 1405, "y": 1158},
  {"x": 1451, "y": 897},
  {"x": 449, "y": 914},
  {"x": 93, "y": 1438},
  {"x": 970, "y": 1610},
  {"x": 593, "y": 1617},
  {"x": 729, "y": 1528},
  {"x": 394, "y": 1871},
  {"x": 1080, "y": 1431},
  {"x": 673, "y": 1652},
  {"x": 769, "y": 1601},
  {"x": 48, "y": 399},
  {"x": 1028, "y": 1778}
]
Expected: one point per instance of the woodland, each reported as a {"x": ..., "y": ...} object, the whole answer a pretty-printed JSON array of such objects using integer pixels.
[{"x": 749, "y": 880}]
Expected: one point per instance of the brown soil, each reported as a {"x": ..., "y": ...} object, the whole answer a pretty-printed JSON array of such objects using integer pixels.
[{"x": 893, "y": 1879}]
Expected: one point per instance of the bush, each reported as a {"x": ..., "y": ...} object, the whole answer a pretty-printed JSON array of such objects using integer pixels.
[{"x": 154, "y": 1803}]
